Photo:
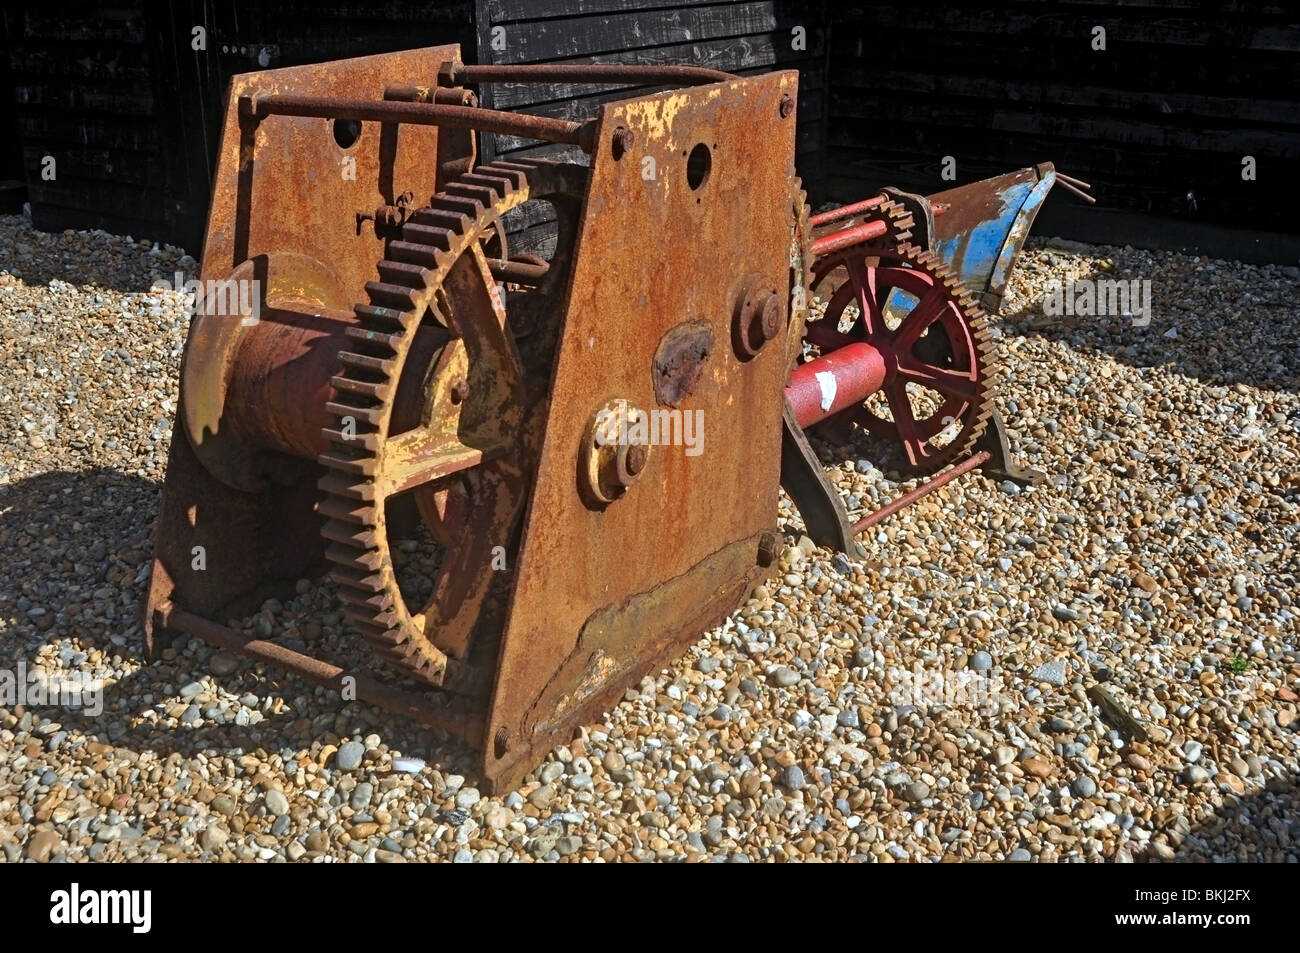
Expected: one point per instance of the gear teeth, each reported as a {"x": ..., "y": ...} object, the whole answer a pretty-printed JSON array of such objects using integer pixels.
[
  {"x": 499, "y": 184},
  {"x": 413, "y": 253},
  {"x": 374, "y": 601},
  {"x": 394, "y": 342},
  {"x": 360, "y": 465},
  {"x": 370, "y": 416},
  {"x": 368, "y": 561},
  {"x": 347, "y": 486},
  {"x": 379, "y": 391},
  {"x": 367, "y": 362},
  {"x": 430, "y": 238},
  {"x": 360, "y": 581},
  {"x": 467, "y": 207},
  {"x": 348, "y": 511},
  {"x": 482, "y": 194},
  {"x": 383, "y": 317},
  {"x": 403, "y": 274},
  {"x": 399, "y": 296},
  {"x": 406, "y": 292},
  {"x": 363, "y": 537},
  {"x": 435, "y": 216}
]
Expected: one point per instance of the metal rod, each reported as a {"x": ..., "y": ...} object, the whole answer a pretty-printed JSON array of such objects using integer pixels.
[
  {"x": 428, "y": 114},
  {"x": 431, "y": 94},
  {"x": 1072, "y": 180},
  {"x": 406, "y": 704},
  {"x": 845, "y": 211},
  {"x": 1079, "y": 192},
  {"x": 519, "y": 272},
  {"x": 585, "y": 73},
  {"x": 850, "y": 236},
  {"x": 907, "y": 499}
]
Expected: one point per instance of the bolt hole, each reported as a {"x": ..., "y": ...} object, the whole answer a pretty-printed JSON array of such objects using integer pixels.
[
  {"x": 698, "y": 165},
  {"x": 346, "y": 132}
]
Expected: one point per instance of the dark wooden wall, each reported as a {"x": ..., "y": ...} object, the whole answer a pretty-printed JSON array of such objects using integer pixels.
[
  {"x": 131, "y": 112},
  {"x": 1183, "y": 91},
  {"x": 1158, "y": 122},
  {"x": 91, "y": 90},
  {"x": 739, "y": 36}
]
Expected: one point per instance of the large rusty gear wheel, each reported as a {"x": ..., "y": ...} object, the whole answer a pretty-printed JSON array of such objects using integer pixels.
[
  {"x": 935, "y": 340},
  {"x": 431, "y": 401}
]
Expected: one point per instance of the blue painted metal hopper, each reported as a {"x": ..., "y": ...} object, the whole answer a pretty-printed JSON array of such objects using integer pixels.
[{"x": 980, "y": 228}]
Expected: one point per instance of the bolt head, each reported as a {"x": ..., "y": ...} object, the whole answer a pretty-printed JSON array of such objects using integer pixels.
[
  {"x": 637, "y": 457},
  {"x": 769, "y": 548},
  {"x": 622, "y": 141},
  {"x": 770, "y": 318}
]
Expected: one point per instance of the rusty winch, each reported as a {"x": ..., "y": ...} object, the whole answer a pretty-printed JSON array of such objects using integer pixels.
[{"x": 534, "y": 477}]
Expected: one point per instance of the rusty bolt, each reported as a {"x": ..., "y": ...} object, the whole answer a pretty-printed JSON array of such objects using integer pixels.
[
  {"x": 637, "y": 456},
  {"x": 769, "y": 548},
  {"x": 611, "y": 463},
  {"x": 770, "y": 318},
  {"x": 502, "y": 742},
  {"x": 622, "y": 142},
  {"x": 787, "y": 105}
]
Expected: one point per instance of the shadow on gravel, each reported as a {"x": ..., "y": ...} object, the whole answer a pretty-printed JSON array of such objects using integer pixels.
[
  {"x": 69, "y": 535},
  {"x": 1260, "y": 347},
  {"x": 1250, "y": 828}
]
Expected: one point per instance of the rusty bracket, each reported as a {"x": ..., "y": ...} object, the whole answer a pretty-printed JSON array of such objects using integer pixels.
[
  {"x": 1002, "y": 462},
  {"x": 805, "y": 482}
]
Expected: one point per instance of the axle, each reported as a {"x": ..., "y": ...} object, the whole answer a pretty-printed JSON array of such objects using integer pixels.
[{"x": 836, "y": 381}]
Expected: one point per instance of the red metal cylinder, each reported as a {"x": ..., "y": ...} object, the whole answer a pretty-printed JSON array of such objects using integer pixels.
[{"x": 836, "y": 381}]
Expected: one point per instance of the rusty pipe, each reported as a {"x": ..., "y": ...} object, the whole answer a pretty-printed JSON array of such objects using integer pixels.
[
  {"x": 431, "y": 94},
  {"x": 1091, "y": 200},
  {"x": 929, "y": 486},
  {"x": 518, "y": 272},
  {"x": 460, "y": 74},
  {"x": 543, "y": 128},
  {"x": 406, "y": 704}
]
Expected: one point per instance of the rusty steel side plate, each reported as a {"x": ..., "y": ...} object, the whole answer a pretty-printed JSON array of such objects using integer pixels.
[
  {"x": 605, "y": 594},
  {"x": 280, "y": 191},
  {"x": 288, "y": 190}
]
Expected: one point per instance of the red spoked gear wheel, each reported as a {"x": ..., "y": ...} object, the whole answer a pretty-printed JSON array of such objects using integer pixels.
[{"x": 937, "y": 395}]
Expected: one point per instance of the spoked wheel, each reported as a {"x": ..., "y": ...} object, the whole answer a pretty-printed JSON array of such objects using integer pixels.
[
  {"x": 937, "y": 395},
  {"x": 430, "y": 407}
]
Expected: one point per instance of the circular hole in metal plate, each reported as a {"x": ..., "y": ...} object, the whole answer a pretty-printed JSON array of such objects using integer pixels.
[
  {"x": 698, "y": 166},
  {"x": 346, "y": 132}
]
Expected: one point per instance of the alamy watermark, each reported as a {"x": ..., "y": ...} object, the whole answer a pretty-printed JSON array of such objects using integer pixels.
[
  {"x": 225, "y": 297},
  {"x": 34, "y": 688},
  {"x": 624, "y": 425},
  {"x": 75, "y": 906},
  {"x": 1086, "y": 297},
  {"x": 924, "y": 688}
]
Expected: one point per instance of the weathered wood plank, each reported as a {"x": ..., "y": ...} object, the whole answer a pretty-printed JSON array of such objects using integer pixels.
[{"x": 548, "y": 40}]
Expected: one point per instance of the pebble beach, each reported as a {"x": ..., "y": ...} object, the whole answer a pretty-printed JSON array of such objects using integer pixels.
[{"x": 1103, "y": 667}]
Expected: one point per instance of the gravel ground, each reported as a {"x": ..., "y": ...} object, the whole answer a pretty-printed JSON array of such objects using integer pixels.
[{"x": 928, "y": 701}]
